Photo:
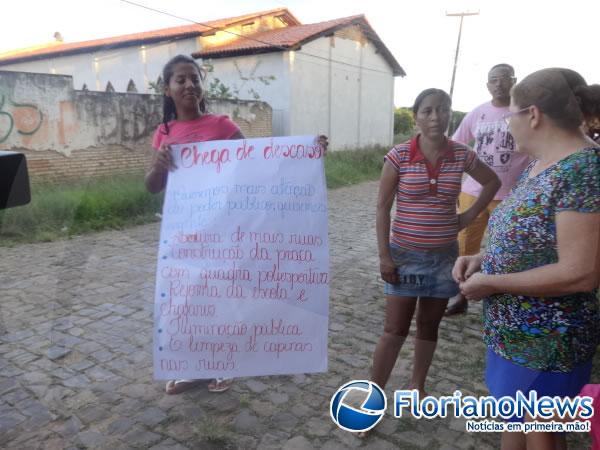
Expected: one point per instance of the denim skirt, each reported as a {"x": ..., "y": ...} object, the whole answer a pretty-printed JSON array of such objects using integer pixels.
[{"x": 424, "y": 273}]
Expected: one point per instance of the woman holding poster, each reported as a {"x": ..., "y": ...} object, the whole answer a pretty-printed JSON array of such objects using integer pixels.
[
  {"x": 416, "y": 255},
  {"x": 185, "y": 119}
]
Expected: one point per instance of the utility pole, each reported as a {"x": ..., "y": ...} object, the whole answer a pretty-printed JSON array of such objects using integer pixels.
[{"x": 462, "y": 16}]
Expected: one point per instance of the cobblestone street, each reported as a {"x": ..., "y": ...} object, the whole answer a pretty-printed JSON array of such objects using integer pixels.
[{"x": 76, "y": 363}]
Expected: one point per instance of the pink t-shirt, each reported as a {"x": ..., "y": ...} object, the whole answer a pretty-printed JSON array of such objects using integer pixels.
[
  {"x": 208, "y": 127},
  {"x": 495, "y": 146}
]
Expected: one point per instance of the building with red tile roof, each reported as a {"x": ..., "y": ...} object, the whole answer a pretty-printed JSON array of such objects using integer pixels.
[{"x": 334, "y": 77}]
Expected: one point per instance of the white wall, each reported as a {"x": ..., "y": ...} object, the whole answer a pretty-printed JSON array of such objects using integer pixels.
[
  {"x": 350, "y": 99},
  {"x": 142, "y": 64},
  {"x": 377, "y": 99},
  {"x": 276, "y": 93},
  {"x": 310, "y": 111},
  {"x": 344, "y": 90}
]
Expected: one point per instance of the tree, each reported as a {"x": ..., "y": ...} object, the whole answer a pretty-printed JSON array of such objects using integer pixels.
[
  {"x": 404, "y": 122},
  {"x": 455, "y": 120},
  {"x": 214, "y": 88},
  {"x": 217, "y": 89}
]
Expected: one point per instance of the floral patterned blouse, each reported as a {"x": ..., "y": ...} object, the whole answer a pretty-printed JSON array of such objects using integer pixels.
[{"x": 543, "y": 333}]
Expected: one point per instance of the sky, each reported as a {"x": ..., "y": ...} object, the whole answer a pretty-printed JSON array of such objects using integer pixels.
[{"x": 527, "y": 34}]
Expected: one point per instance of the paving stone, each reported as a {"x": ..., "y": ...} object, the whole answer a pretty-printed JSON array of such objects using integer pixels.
[
  {"x": 91, "y": 439},
  {"x": 278, "y": 398},
  {"x": 263, "y": 409},
  {"x": 377, "y": 443},
  {"x": 35, "y": 377},
  {"x": 141, "y": 438},
  {"x": 245, "y": 421},
  {"x": 191, "y": 412},
  {"x": 70, "y": 427},
  {"x": 78, "y": 381},
  {"x": 285, "y": 421},
  {"x": 299, "y": 378},
  {"x": 170, "y": 444},
  {"x": 333, "y": 445},
  {"x": 8, "y": 385},
  {"x": 272, "y": 441},
  {"x": 318, "y": 427},
  {"x": 256, "y": 386},
  {"x": 120, "y": 425},
  {"x": 57, "y": 352},
  {"x": 10, "y": 420},
  {"x": 14, "y": 396},
  {"x": 181, "y": 431},
  {"x": 418, "y": 440},
  {"x": 298, "y": 443},
  {"x": 72, "y": 350},
  {"x": 151, "y": 417},
  {"x": 92, "y": 414}
]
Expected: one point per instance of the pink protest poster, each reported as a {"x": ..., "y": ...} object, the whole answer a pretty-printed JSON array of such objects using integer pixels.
[{"x": 242, "y": 280}]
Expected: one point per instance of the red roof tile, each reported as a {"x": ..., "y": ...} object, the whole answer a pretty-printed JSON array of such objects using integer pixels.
[
  {"x": 135, "y": 38},
  {"x": 293, "y": 37}
]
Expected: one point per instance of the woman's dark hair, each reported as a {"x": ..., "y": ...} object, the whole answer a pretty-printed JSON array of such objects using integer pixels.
[
  {"x": 589, "y": 100},
  {"x": 561, "y": 94},
  {"x": 427, "y": 92},
  {"x": 169, "y": 110}
]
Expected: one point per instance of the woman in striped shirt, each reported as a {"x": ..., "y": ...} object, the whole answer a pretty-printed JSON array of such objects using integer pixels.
[{"x": 418, "y": 250}]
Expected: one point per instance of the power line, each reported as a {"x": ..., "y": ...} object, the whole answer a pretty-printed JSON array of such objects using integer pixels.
[{"x": 279, "y": 47}]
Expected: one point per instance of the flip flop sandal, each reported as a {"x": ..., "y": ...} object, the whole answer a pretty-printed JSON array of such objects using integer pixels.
[
  {"x": 174, "y": 387},
  {"x": 220, "y": 385},
  {"x": 456, "y": 309}
]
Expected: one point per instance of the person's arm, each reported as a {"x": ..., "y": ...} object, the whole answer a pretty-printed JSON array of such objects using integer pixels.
[
  {"x": 490, "y": 184},
  {"x": 464, "y": 133},
  {"x": 387, "y": 191},
  {"x": 156, "y": 177},
  {"x": 577, "y": 269}
]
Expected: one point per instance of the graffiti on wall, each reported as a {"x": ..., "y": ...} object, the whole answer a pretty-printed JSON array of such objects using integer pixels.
[{"x": 22, "y": 118}]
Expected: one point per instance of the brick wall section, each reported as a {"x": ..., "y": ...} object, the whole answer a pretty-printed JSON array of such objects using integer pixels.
[
  {"x": 49, "y": 166},
  {"x": 259, "y": 121},
  {"x": 72, "y": 135}
]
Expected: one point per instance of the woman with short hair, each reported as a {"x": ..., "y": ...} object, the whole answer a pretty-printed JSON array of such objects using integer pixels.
[{"x": 540, "y": 272}]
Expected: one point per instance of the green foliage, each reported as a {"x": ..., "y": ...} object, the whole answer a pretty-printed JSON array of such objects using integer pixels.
[
  {"x": 404, "y": 122},
  {"x": 215, "y": 88},
  {"x": 401, "y": 138},
  {"x": 344, "y": 168},
  {"x": 455, "y": 120},
  {"x": 219, "y": 90},
  {"x": 214, "y": 434}
]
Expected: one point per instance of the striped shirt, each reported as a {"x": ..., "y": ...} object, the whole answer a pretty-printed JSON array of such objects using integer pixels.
[{"x": 426, "y": 195}]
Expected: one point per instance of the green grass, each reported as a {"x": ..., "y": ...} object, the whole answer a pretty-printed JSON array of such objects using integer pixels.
[
  {"x": 62, "y": 211},
  {"x": 214, "y": 433},
  {"x": 344, "y": 168}
]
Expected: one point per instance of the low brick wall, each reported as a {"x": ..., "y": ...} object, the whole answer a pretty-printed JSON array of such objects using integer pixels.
[{"x": 69, "y": 135}]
